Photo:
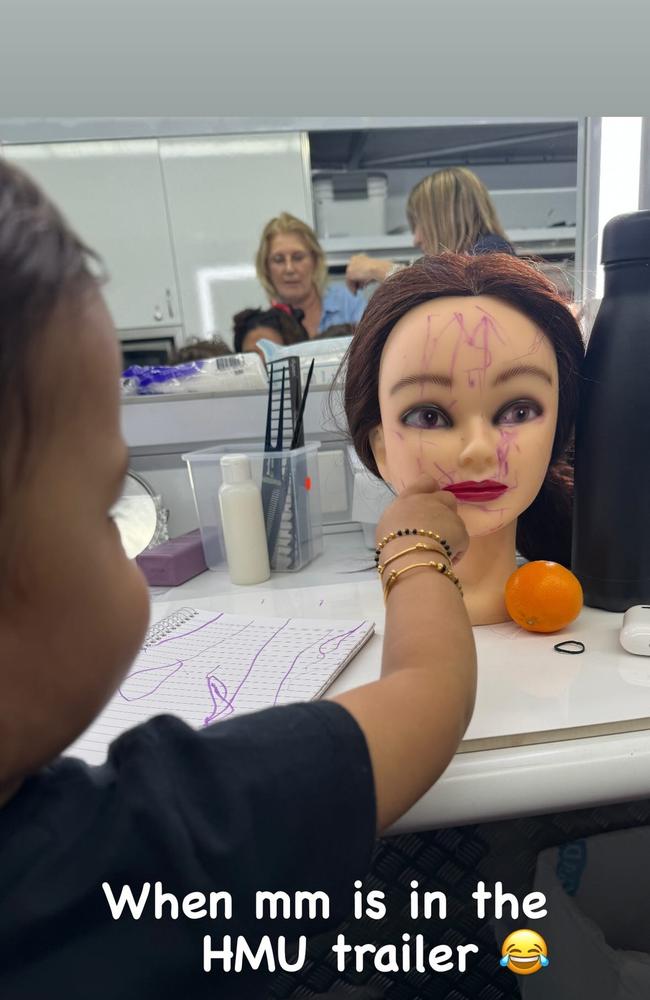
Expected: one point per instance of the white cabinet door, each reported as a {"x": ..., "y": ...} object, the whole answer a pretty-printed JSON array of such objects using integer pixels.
[
  {"x": 221, "y": 191},
  {"x": 112, "y": 194}
]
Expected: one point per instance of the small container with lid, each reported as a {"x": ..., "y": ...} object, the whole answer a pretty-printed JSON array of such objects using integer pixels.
[{"x": 242, "y": 518}]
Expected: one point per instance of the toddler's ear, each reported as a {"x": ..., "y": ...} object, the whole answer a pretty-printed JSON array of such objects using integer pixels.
[{"x": 378, "y": 448}]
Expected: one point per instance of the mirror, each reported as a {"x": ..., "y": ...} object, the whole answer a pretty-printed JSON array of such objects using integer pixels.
[
  {"x": 139, "y": 516},
  {"x": 193, "y": 196},
  {"x": 361, "y": 179}
]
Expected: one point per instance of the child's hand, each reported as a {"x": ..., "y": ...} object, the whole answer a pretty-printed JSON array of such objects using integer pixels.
[{"x": 424, "y": 505}]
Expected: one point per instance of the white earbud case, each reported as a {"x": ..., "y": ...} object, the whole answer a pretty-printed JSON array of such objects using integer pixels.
[{"x": 635, "y": 632}]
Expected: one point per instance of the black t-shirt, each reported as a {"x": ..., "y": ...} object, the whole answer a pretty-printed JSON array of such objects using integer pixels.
[
  {"x": 279, "y": 800},
  {"x": 491, "y": 243}
]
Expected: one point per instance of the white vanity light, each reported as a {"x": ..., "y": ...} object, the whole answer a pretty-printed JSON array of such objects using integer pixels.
[{"x": 620, "y": 166}]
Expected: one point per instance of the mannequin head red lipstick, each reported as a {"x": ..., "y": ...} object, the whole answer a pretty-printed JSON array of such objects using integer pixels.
[{"x": 467, "y": 368}]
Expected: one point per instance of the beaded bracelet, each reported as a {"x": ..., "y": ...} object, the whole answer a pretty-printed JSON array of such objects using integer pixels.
[
  {"x": 419, "y": 547},
  {"x": 392, "y": 535},
  {"x": 439, "y": 567}
]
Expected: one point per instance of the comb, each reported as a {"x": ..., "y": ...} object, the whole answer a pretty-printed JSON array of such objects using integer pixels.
[{"x": 277, "y": 502}]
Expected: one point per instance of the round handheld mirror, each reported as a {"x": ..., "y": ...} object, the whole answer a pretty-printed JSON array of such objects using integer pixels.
[{"x": 140, "y": 519}]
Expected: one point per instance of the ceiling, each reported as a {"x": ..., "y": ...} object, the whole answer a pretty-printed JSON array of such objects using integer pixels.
[{"x": 444, "y": 145}]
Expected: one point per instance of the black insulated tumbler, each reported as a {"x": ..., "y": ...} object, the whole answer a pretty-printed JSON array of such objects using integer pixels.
[{"x": 611, "y": 519}]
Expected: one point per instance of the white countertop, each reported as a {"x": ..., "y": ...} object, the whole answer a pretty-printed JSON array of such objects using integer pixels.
[{"x": 550, "y": 731}]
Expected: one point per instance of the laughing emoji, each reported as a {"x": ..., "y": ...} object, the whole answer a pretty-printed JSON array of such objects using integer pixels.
[{"x": 524, "y": 952}]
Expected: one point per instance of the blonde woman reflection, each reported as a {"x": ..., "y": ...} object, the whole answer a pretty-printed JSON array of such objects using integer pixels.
[
  {"x": 291, "y": 267},
  {"x": 450, "y": 210}
]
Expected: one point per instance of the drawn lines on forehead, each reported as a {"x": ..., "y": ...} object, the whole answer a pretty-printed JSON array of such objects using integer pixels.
[
  {"x": 428, "y": 349},
  {"x": 537, "y": 342},
  {"x": 477, "y": 339}
]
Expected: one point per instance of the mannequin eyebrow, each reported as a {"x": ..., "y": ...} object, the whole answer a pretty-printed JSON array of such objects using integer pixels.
[
  {"x": 431, "y": 378},
  {"x": 422, "y": 378},
  {"x": 522, "y": 370}
]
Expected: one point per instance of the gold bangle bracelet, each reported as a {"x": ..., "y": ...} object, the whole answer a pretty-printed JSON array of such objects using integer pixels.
[
  {"x": 419, "y": 547},
  {"x": 423, "y": 532},
  {"x": 439, "y": 567}
]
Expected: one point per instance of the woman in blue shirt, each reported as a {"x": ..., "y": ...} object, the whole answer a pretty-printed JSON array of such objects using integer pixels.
[{"x": 292, "y": 269}]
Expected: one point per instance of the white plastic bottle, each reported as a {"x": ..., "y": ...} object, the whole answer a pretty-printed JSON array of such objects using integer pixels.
[{"x": 242, "y": 518}]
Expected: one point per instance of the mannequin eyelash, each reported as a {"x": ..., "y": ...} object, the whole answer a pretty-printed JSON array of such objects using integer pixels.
[
  {"x": 428, "y": 406},
  {"x": 531, "y": 403}
]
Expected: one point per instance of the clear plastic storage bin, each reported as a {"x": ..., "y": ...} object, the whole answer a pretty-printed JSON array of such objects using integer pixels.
[
  {"x": 290, "y": 489},
  {"x": 364, "y": 215}
]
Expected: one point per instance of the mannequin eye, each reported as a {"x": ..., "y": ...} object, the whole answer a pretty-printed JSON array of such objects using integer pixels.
[
  {"x": 519, "y": 413},
  {"x": 426, "y": 418}
]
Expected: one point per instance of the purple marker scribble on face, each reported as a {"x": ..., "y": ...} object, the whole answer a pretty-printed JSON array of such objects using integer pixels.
[
  {"x": 428, "y": 351},
  {"x": 433, "y": 340},
  {"x": 420, "y": 460},
  {"x": 500, "y": 513},
  {"x": 507, "y": 437},
  {"x": 479, "y": 340},
  {"x": 494, "y": 326},
  {"x": 538, "y": 340},
  {"x": 458, "y": 320},
  {"x": 446, "y": 475},
  {"x": 536, "y": 343},
  {"x": 398, "y": 435}
]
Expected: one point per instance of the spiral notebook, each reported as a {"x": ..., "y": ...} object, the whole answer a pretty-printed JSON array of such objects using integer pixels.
[{"x": 205, "y": 666}]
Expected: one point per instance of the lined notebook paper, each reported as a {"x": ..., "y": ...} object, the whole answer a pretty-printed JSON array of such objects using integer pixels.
[{"x": 209, "y": 665}]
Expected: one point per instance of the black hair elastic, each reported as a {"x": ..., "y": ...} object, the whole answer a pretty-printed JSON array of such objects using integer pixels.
[{"x": 561, "y": 647}]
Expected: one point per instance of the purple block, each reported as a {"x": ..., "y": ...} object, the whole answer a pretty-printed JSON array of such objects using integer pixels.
[{"x": 173, "y": 562}]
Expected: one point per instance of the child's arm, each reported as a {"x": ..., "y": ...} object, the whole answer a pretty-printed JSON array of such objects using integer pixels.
[{"x": 414, "y": 717}]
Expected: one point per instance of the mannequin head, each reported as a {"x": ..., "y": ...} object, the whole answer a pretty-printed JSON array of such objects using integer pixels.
[
  {"x": 467, "y": 367},
  {"x": 468, "y": 390}
]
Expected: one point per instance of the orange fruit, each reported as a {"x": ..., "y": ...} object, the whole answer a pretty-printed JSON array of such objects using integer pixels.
[{"x": 543, "y": 596}]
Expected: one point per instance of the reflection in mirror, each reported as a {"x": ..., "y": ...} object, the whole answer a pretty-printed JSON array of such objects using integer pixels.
[
  {"x": 139, "y": 516},
  {"x": 177, "y": 217},
  {"x": 361, "y": 181}
]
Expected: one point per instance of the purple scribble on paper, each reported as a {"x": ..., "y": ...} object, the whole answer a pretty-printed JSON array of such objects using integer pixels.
[
  {"x": 177, "y": 664},
  {"x": 338, "y": 639},
  {"x": 183, "y": 635},
  {"x": 255, "y": 658},
  {"x": 291, "y": 666},
  {"x": 219, "y": 695}
]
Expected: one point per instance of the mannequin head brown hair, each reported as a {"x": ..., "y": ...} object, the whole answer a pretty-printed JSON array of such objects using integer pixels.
[{"x": 543, "y": 530}]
